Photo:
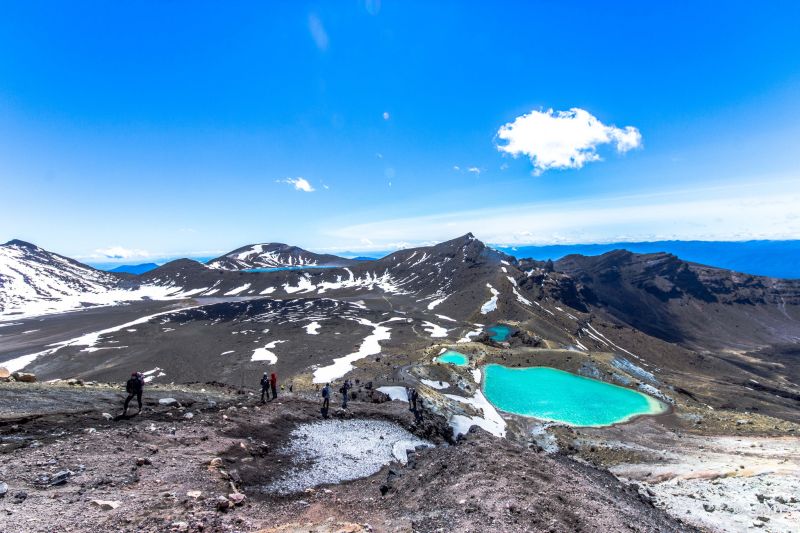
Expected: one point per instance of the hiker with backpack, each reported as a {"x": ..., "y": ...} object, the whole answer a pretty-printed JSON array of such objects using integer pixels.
[
  {"x": 345, "y": 390},
  {"x": 326, "y": 399},
  {"x": 264, "y": 387},
  {"x": 273, "y": 382},
  {"x": 134, "y": 387}
]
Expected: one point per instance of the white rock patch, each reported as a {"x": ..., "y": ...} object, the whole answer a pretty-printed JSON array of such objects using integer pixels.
[{"x": 333, "y": 451}]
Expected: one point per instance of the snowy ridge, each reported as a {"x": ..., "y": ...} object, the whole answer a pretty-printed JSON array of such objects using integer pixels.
[
  {"x": 273, "y": 255},
  {"x": 36, "y": 282},
  {"x": 29, "y": 274}
]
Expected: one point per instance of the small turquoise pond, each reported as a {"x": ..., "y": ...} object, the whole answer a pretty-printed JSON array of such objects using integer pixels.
[
  {"x": 500, "y": 332},
  {"x": 279, "y": 269},
  {"x": 453, "y": 358},
  {"x": 552, "y": 394}
]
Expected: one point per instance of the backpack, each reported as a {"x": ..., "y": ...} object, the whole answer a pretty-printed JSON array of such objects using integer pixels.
[
  {"x": 131, "y": 385},
  {"x": 326, "y": 392}
]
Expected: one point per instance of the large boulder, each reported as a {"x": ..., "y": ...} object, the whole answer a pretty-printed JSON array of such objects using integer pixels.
[
  {"x": 4, "y": 373},
  {"x": 24, "y": 377}
]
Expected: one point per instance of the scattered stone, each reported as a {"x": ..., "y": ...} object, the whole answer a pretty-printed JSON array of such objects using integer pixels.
[
  {"x": 188, "y": 416},
  {"x": 60, "y": 478},
  {"x": 106, "y": 505},
  {"x": 223, "y": 504},
  {"x": 24, "y": 377},
  {"x": 216, "y": 462},
  {"x": 180, "y": 526},
  {"x": 3, "y": 489},
  {"x": 141, "y": 461},
  {"x": 709, "y": 508},
  {"x": 20, "y": 497},
  {"x": 237, "y": 498},
  {"x": 107, "y": 416},
  {"x": 4, "y": 373},
  {"x": 195, "y": 494},
  {"x": 167, "y": 401}
]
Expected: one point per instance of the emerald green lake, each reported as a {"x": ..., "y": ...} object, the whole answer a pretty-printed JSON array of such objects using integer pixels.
[
  {"x": 454, "y": 358},
  {"x": 500, "y": 332},
  {"x": 552, "y": 394}
]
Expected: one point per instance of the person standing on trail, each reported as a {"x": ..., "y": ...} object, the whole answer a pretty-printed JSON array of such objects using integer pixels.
[
  {"x": 326, "y": 398},
  {"x": 345, "y": 390},
  {"x": 409, "y": 394},
  {"x": 273, "y": 381},
  {"x": 264, "y": 387},
  {"x": 134, "y": 387},
  {"x": 414, "y": 398}
]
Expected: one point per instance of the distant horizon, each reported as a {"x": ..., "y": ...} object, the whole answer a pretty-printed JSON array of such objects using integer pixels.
[{"x": 766, "y": 257}]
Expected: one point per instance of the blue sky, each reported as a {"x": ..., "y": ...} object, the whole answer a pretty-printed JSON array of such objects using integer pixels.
[{"x": 148, "y": 129}]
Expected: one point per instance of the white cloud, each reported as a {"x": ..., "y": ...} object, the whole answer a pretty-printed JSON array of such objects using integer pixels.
[
  {"x": 730, "y": 213},
  {"x": 118, "y": 252},
  {"x": 386, "y": 115},
  {"x": 474, "y": 170},
  {"x": 299, "y": 183},
  {"x": 563, "y": 139},
  {"x": 318, "y": 32},
  {"x": 456, "y": 168}
]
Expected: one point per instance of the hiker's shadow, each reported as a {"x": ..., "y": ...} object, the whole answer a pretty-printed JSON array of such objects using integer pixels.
[{"x": 125, "y": 417}]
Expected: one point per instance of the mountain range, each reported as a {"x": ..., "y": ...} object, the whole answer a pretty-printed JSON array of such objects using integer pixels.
[{"x": 674, "y": 315}]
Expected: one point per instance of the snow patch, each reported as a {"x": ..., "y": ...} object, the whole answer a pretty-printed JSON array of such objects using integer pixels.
[
  {"x": 439, "y": 385},
  {"x": 265, "y": 353},
  {"x": 491, "y": 420},
  {"x": 369, "y": 346},
  {"x": 491, "y": 305},
  {"x": 313, "y": 328}
]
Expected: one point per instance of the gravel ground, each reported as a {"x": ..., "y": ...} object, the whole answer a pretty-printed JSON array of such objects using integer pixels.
[{"x": 169, "y": 470}]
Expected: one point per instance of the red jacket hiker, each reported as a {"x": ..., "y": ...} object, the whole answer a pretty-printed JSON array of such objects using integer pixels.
[{"x": 273, "y": 381}]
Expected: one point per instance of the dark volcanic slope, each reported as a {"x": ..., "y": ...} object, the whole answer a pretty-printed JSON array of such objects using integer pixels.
[
  {"x": 275, "y": 255},
  {"x": 687, "y": 303}
]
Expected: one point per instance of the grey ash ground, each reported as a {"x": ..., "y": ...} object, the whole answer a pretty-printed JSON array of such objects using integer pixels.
[{"x": 167, "y": 472}]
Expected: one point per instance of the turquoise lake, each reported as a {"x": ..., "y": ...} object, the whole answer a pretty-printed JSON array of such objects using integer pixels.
[
  {"x": 551, "y": 394},
  {"x": 500, "y": 332},
  {"x": 454, "y": 358}
]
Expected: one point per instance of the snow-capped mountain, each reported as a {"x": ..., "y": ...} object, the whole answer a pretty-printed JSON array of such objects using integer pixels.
[
  {"x": 30, "y": 274},
  {"x": 274, "y": 255},
  {"x": 34, "y": 281}
]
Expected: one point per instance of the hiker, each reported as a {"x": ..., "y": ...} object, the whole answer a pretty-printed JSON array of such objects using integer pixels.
[
  {"x": 134, "y": 387},
  {"x": 264, "y": 387},
  {"x": 409, "y": 394},
  {"x": 326, "y": 399},
  {"x": 414, "y": 398},
  {"x": 273, "y": 381},
  {"x": 345, "y": 390}
]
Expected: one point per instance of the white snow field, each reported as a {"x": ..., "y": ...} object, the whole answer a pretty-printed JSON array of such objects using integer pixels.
[
  {"x": 370, "y": 346},
  {"x": 332, "y": 451}
]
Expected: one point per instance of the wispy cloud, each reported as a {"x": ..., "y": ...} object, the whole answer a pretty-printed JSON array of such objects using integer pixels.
[
  {"x": 474, "y": 170},
  {"x": 119, "y": 252},
  {"x": 562, "y": 139},
  {"x": 750, "y": 211},
  {"x": 299, "y": 183},
  {"x": 318, "y": 33}
]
